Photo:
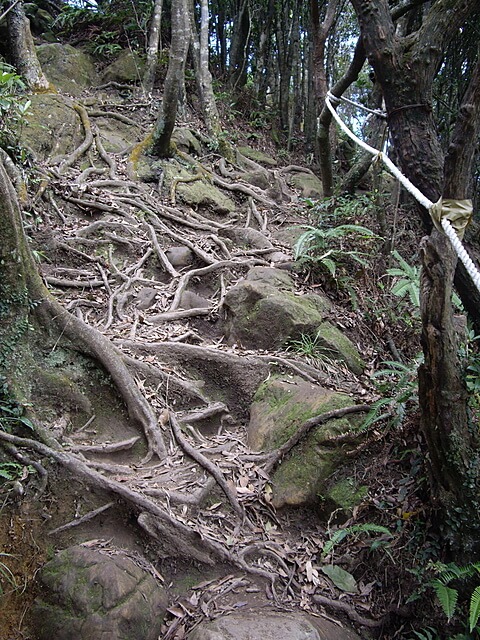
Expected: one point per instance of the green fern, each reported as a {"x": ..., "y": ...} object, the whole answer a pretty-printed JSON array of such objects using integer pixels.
[
  {"x": 447, "y": 597},
  {"x": 355, "y": 529},
  {"x": 321, "y": 246},
  {"x": 474, "y": 608},
  {"x": 398, "y": 381},
  {"x": 409, "y": 282}
]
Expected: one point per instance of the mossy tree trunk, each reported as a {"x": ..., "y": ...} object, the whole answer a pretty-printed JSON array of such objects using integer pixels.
[
  {"x": 162, "y": 135},
  {"x": 24, "y": 56}
]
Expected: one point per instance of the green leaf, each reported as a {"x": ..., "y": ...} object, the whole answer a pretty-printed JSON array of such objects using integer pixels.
[
  {"x": 340, "y": 578},
  {"x": 330, "y": 265},
  {"x": 27, "y": 423},
  {"x": 474, "y": 608},
  {"x": 447, "y": 597}
]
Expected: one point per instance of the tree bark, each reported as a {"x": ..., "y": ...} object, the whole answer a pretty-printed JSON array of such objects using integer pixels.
[
  {"x": 162, "y": 135},
  {"x": 24, "y": 56},
  {"x": 153, "y": 47},
  {"x": 325, "y": 119}
]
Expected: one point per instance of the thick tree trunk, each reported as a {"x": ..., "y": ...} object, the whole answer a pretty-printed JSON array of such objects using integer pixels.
[
  {"x": 153, "y": 47},
  {"x": 161, "y": 141},
  {"x": 24, "y": 56},
  {"x": 405, "y": 69}
]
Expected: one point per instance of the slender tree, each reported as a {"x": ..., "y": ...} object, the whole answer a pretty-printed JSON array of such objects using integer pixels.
[
  {"x": 161, "y": 142},
  {"x": 153, "y": 46}
]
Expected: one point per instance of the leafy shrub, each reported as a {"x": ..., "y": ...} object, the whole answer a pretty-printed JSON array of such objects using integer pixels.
[{"x": 13, "y": 108}]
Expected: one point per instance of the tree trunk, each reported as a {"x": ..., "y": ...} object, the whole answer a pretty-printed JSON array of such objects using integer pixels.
[
  {"x": 161, "y": 141},
  {"x": 405, "y": 69},
  {"x": 319, "y": 33},
  {"x": 24, "y": 56},
  {"x": 325, "y": 119},
  {"x": 239, "y": 46},
  {"x": 153, "y": 47}
]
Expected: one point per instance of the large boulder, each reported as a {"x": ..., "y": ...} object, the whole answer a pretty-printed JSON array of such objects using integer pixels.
[
  {"x": 86, "y": 594},
  {"x": 70, "y": 70},
  {"x": 263, "y": 312},
  {"x": 128, "y": 67},
  {"x": 52, "y": 126},
  {"x": 270, "y": 625},
  {"x": 279, "y": 409},
  {"x": 308, "y": 184}
]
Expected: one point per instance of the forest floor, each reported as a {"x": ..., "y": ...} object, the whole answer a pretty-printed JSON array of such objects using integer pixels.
[{"x": 102, "y": 240}]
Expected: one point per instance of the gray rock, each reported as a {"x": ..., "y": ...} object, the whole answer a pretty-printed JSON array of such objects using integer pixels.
[
  {"x": 257, "y": 156},
  {"x": 86, "y": 594},
  {"x": 180, "y": 256},
  {"x": 128, "y": 67},
  {"x": 246, "y": 238},
  {"x": 145, "y": 298},
  {"x": 309, "y": 185},
  {"x": 69, "y": 69},
  {"x": 186, "y": 140},
  {"x": 191, "y": 300},
  {"x": 264, "y": 625}
]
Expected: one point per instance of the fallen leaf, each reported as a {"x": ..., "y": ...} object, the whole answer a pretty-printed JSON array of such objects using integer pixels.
[{"x": 342, "y": 579}]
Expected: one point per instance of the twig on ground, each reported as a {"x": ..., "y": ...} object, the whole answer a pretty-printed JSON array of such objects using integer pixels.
[{"x": 86, "y": 518}]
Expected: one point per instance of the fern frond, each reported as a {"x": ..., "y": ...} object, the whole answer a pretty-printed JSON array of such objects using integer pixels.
[
  {"x": 447, "y": 597},
  {"x": 474, "y": 608}
]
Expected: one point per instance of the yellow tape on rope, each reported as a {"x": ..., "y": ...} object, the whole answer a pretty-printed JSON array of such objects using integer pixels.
[{"x": 458, "y": 212}]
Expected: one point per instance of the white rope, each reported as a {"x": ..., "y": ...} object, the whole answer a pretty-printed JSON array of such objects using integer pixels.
[
  {"x": 376, "y": 112},
  {"x": 411, "y": 188},
  {"x": 461, "y": 252}
]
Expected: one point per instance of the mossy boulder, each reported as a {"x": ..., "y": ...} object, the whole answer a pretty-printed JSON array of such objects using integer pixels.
[
  {"x": 70, "y": 70},
  {"x": 186, "y": 140},
  {"x": 345, "y": 494},
  {"x": 280, "y": 408},
  {"x": 263, "y": 312},
  {"x": 116, "y": 135},
  {"x": 199, "y": 193},
  {"x": 128, "y": 67},
  {"x": 257, "y": 156},
  {"x": 86, "y": 594},
  {"x": 308, "y": 184},
  {"x": 52, "y": 126}
]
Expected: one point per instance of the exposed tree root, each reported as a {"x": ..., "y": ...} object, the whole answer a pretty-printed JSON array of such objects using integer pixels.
[
  {"x": 345, "y": 607},
  {"x": 305, "y": 428},
  {"x": 207, "y": 464},
  {"x": 156, "y": 521},
  {"x": 97, "y": 345},
  {"x": 85, "y": 518}
]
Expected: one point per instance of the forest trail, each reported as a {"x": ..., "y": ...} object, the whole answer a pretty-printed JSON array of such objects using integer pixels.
[{"x": 154, "y": 456}]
